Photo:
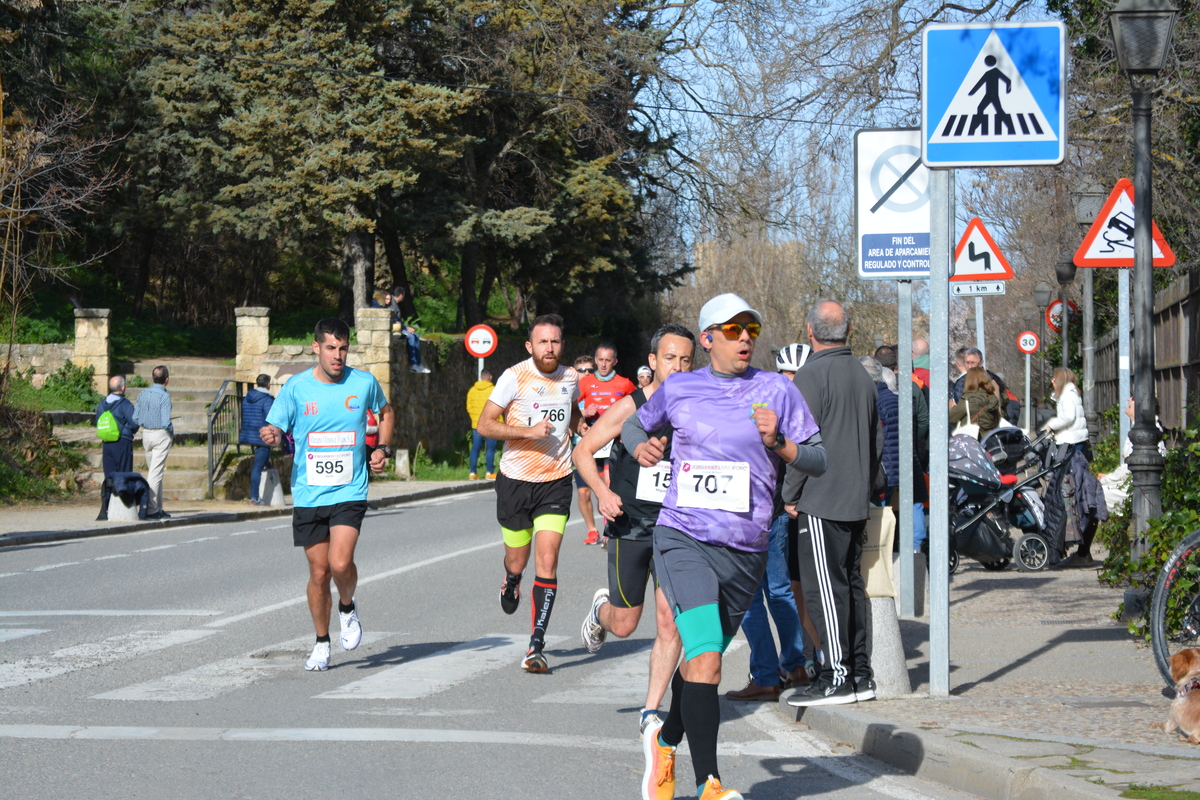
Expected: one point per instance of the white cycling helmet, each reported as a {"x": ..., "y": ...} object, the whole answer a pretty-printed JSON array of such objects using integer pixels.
[{"x": 792, "y": 357}]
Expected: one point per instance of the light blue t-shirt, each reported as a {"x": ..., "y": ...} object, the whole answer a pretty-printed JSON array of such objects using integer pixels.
[{"x": 329, "y": 424}]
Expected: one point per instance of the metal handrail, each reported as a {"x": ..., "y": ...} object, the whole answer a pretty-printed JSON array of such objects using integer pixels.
[{"x": 224, "y": 425}]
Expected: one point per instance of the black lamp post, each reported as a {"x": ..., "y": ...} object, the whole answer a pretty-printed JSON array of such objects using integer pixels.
[
  {"x": 1142, "y": 31},
  {"x": 1041, "y": 296},
  {"x": 1064, "y": 270},
  {"x": 1088, "y": 199}
]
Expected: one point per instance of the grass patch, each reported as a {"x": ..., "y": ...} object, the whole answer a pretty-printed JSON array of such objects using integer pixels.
[
  {"x": 1159, "y": 793},
  {"x": 68, "y": 389},
  {"x": 448, "y": 465},
  {"x": 34, "y": 465}
]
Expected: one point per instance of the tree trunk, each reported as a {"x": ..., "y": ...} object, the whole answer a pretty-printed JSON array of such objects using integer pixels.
[
  {"x": 491, "y": 272},
  {"x": 470, "y": 272},
  {"x": 143, "y": 275},
  {"x": 395, "y": 259},
  {"x": 358, "y": 272}
]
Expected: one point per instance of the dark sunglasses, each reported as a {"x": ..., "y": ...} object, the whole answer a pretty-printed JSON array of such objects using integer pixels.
[
  {"x": 732, "y": 330},
  {"x": 586, "y": 370}
]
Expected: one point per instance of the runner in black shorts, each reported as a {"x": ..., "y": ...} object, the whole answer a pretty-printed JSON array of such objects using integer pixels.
[
  {"x": 325, "y": 409},
  {"x": 533, "y": 490},
  {"x": 630, "y": 503}
]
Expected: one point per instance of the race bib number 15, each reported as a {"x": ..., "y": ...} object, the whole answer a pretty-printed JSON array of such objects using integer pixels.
[
  {"x": 721, "y": 485},
  {"x": 653, "y": 482}
]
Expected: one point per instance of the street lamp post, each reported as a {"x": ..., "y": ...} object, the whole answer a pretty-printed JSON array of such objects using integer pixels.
[
  {"x": 1088, "y": 199},
  {"x": 1142, "y": 31},
  {"x": 1041, "y": 296},
  {"x": 1064, "y": 270}
]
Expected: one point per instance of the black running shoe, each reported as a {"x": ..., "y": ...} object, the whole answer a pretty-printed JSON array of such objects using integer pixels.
[
  {"x": 510, "y": 594},
  {"x": 824, "y": 694},
  {"x": 864, "y": 689}
]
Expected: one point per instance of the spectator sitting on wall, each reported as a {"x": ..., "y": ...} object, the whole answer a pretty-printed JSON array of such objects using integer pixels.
[{"x": 391, "y": 301}]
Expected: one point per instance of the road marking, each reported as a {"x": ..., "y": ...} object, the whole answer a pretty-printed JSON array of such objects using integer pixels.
[
  {"x": 227, "y": 675},
  {"x": 201, "y": 539},
  {"x": 108, "y": 612},
  {"x": 95, "y": 654},
  {"x": 115, "y": 555},
  {"x": 295, "y": 601},
  {"x": 8, "y": 634},
  {"x": 45, "y": 567},
  {"x": 152, "y": 549},
  {"x": 440, "y": 671}
]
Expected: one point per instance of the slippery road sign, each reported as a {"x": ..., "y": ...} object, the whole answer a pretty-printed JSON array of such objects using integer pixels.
[{"x": 1109, "y": 242}]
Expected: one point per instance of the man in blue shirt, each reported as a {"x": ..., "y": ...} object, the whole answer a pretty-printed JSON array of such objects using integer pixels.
[
  {"x": 153, "y": 414},
  {"x": 325, "y": 410}
]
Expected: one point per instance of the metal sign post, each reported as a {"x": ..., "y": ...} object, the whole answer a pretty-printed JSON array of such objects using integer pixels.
[
  {"x": 1028, "y": 343},
  {"x": 941, "y": 193},
  {"x": 979, "y": 340},
  {"x": 1123, "y": 337},
  {"x": 904, "y": 358}
]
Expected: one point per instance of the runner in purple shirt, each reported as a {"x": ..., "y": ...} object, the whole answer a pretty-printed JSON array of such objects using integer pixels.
[{"x": 734, "y": 427}]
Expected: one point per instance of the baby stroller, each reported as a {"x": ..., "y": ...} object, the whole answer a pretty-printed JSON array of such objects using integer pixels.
[{"x": 986, "y": 504}]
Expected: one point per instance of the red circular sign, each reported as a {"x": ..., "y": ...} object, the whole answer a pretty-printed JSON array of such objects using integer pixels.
[
  {"x": 481, "y": 341},
  {"x": 1028, "y": 342},
  {"x": 1054, "y": 314}
]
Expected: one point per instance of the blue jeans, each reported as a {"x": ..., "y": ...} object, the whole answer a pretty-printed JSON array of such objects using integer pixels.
[
  {"x": 477, "y": 442},
  {"x": 261, "y": 455},
  {"x": 919, "y": 530},
  {"x": 414, "y": 348},
  {"x": 765, "y": 660}
]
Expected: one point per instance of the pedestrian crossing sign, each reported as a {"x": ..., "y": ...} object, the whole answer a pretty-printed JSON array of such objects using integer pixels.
[{"x": 992, "y": 94}]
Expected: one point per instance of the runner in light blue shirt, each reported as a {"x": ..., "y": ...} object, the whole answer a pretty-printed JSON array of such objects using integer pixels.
[{"x": 325, "y": 410}]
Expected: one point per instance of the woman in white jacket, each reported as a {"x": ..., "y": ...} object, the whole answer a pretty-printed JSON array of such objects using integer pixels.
[{"x": 1069, "y": 423}]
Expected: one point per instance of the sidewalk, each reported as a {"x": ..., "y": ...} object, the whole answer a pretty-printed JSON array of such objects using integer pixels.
[
  {"x": 1049, "y": 696},
  {"x": 47, "y": 522}
]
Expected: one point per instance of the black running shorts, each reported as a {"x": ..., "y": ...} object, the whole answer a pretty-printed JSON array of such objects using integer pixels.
[
  {"x": 311, "y": 525},
  {"x": 630, "y": 563},
  {"x": 519, "y": 502}
]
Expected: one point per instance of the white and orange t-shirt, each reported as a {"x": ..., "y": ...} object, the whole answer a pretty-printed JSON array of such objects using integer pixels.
[{"x": 528, "y": 397}]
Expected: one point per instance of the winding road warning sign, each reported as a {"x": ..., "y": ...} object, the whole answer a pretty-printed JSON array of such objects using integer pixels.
[{"x": 977, "y": 257}]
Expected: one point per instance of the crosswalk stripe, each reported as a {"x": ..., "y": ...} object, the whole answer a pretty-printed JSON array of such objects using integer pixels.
[
  {"x": 95, "y": 654},
  {"x": 229, "y": 674},
  {"x": 440, "y": 671},
  {"x": 8, "y": 634}
]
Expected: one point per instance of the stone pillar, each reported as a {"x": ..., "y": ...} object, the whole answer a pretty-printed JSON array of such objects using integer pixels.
[
  {"x": 253, "y": 336},
  {"x": 92, "y": 344},
  {"x": 373, "y": 352}
]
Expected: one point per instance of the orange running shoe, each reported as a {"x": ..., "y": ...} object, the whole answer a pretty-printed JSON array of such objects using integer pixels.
[
  {"x": 592, "y": 537},
  {"x": 713, "y": 791},
  {"x": 658, "y": 781}
]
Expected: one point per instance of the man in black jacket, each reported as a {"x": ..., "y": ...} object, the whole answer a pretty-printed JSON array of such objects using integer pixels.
[
  {"x": 118, "y": 455},
  {"x": 832, "y": 509}
]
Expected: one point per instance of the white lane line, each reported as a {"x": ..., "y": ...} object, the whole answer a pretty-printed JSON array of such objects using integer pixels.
[
  {"x": 503, "y": 738},
  {"x": 152, "y": 549},
  {"x": 295, "y": 601},
  {"x": 85, "y": 656},
  {"x": 113, "y": 612},
  {"x": 440, "y": 671},
  {"x": 8, "y": 634},
  {"x": 45, "y": 567},
  {"x": 115, "y": 555},
  {"x": 230, "y": 674},
  {"x": 201, "y": 539}
]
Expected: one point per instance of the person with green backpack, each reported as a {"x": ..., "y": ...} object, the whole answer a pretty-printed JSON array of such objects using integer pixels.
[{"x": 115, "y": 427}]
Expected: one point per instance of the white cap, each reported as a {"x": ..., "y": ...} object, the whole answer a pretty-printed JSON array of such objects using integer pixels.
[
  {"x": 723, "y": 308},
  {"x": 644, "y": 371}
]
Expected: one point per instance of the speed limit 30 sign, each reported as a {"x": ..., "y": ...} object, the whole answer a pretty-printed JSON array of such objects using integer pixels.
[{"x": 1028, "y": 342}]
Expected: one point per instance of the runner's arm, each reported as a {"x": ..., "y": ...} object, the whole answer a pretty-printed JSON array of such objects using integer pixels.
[
  {"x": 647, "y": 450},
  {"x": 603, "y": 431},
  {"x": 270, "y": 435},
  {"x": 490, "y": 426}
]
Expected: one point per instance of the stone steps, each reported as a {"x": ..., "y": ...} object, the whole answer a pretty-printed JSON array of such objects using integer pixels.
[
  {"x": 179, "y": 458},
  {"x": 178, "y": 484}
]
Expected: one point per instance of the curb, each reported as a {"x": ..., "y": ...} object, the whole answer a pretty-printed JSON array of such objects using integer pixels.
[
  {"x": 42, "y": 537},
  {"x": 936, "y": 758}
]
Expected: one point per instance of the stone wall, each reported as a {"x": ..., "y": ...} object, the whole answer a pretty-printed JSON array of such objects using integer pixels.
[
  {"x": 92, "y": 344},
  {"x": 38, "y": 360}
]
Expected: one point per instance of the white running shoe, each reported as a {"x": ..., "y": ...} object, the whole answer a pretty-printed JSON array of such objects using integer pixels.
[
  {"x": 351, "y": 628},
  {"x": 319, "y": 660},
  {"x": 592, "y": 632}
]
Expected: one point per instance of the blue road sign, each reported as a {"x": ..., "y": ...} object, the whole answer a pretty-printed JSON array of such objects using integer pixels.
[{"x": 992, "y": 94}]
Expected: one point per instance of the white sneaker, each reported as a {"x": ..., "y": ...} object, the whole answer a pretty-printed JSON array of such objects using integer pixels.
[
  {"x": 351, "y": 628},
  {"x": 592, "y": 632},
  {"x": 319, "y": 660}
]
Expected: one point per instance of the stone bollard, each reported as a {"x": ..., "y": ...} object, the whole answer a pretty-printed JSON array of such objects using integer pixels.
[
  {"x": 883, "y": 628},
  {"x": 118, "y": 511},
  {"x": 253, "y": 337},
  {"x": 270, "y": 488}
]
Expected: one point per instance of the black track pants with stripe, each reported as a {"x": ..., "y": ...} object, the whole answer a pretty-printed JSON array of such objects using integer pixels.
[{"x": 830, "y": 557}]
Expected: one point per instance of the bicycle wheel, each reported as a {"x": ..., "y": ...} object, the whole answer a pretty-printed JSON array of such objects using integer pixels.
[{"x": 1175, "y": 607}]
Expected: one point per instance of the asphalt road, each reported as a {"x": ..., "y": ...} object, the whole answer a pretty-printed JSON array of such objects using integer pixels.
[{"x": 169, "y": 664}]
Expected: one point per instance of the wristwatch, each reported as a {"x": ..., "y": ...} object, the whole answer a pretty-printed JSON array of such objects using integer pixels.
[
  {"x": 780, "y": 442},
  {"x": 387, "y": 450}
]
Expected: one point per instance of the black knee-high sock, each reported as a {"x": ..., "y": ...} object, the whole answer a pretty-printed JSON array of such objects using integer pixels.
[
  {"x": 544, "y": 590},
  {"x": 701, "y": 719},
  {"x": 672, "y": 730}
]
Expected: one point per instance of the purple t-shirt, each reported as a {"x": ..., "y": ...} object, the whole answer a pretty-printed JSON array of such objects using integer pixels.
[{"x": 712, "y": 420}]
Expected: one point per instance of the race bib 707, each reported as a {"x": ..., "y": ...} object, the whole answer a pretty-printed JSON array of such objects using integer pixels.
[{"x": 721, "y": 485}]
